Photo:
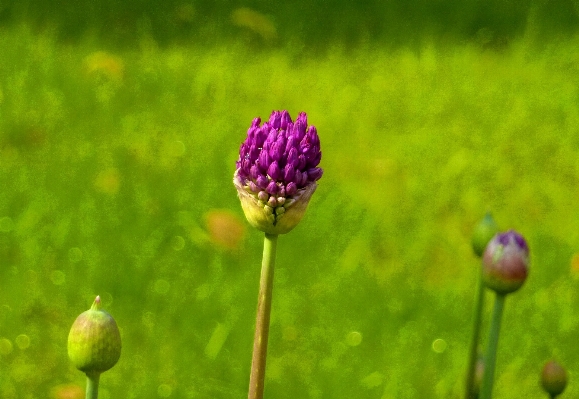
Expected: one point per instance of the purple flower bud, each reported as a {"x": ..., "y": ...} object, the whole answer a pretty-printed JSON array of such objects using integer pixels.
[
  {"x": 253, "y": 187},
  {"x": 263, "y": 196},
  {"x": 262, "y": 182},
  {"x": 291, "y": 189},
  {"x": 506, "y": 262},
  {"x": 285, "y": 119},
  {"x": 278, "y": 166},
  {"x": 263, "y": 161},
  {"x": 315, "y": 174},
  {"x": 301, "y": 162},
  {"x": 276, "y": 151},
  {"x": 274, "y": 172},
  {"x": 272, "y": 188},
  {"x": 289, "y": 173},
  {"x": 254, "y": 172}
]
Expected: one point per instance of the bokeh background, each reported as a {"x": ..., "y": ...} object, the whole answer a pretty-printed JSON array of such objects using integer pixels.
[{"x": 120, "y": 124}]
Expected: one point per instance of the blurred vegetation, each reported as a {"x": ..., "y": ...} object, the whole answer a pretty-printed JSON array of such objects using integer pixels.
[{"x": 116, "y": 160}]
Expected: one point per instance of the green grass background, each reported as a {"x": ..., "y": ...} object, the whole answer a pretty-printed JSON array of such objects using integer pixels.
[{"x": 421, "y": 135}]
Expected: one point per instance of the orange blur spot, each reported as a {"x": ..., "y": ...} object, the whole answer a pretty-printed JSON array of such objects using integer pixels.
[
  {"x": 103, "y": 63},
  {"x": 108, "y": 181},
  {"x": 67, "y": 391},
  {"x": 225, "y": 228}
]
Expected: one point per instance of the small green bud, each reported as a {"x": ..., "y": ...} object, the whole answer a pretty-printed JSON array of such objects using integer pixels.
[
  {"x": 553, "y": 378},
  {"x": 484, "y": 231},
  {"x": 94, "y": 341}
]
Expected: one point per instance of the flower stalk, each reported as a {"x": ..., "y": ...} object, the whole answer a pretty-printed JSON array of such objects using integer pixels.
[
  {"x": 482, "y": 234},
  {"x": 505, "y": 268},
  {"x": 258, "y": 361},
  {"x": 492, "y": 345},
  {"x": 275, "y": 177}
]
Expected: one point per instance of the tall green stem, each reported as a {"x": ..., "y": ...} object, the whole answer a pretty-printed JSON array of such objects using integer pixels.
[
  {"x": 92, "y": 385},
  {"x": 491, "y": 354},
  {"x": 473, "y": 355},
  {"x": 262, "y": 320}
]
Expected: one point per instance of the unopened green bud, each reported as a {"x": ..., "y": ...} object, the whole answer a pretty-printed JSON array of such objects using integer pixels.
[
  {"x": 553, "y": 378},
  {"x": 484, "y": 231},
  {"x": 94, "y": 341}
]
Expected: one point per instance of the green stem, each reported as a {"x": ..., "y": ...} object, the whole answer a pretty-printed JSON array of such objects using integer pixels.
[
  {"x": 92, "y": 385},
  {"x": 491, "y": 355},
  {"x": 473, "y": 355},
  {"x": 262, "y": 320}
]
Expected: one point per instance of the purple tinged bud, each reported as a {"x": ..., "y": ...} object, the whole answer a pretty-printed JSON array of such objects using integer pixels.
[
  {"x": 263, "y": 161},
  {"x": 292, "y": 158},
  {"x": 289, "y": 173},
  {"x": 274, "y": 172},
  {"x": 253, "y": 187},
  {"x": 553, "y": 378},
  {"x": 253, "y": 153},
  {"x": 276, "y": 151},
  {"x": 506, "y": 262},
  {"x": 285, "y": 119},
  {"x": 272, "y": 201},
  {"x": 272, "y": 188},
  {"x": 301, "y": 162},
  {"x": 299, "y": 131},
  {"x": 254, "y": 172},
  {"x": 262, "y": 182},
  {"x": 315, "y": 174},
  {"x": 275, "y": 119},
  {"x": 263, "y": 196},
  {"x": 291, "y": 189}
]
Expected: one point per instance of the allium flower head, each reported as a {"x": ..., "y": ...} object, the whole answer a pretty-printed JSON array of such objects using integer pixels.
[
  {"x": 506, "y": 262},
  {"x": 277, "y": 170}
]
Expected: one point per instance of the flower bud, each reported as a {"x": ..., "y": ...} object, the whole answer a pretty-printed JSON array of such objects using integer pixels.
[
  {"x": 94, "y": 341},
  {"x": 505, "y": 262},
  {"x": 483, "y": 233},
  {"x": 280, "y": 158},
  {"x": 553, "y": 378}
]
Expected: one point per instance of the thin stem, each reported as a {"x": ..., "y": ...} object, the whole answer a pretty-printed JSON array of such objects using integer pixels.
[
  {"x": 262, "y": 320},
  {"x": 491, "y": 355},
  {"x": 92, "y": 385},
  {"x": 473, "y": 355}
]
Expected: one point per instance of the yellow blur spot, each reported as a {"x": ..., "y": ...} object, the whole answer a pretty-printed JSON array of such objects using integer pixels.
[
  {"x": 101, "y": 63},
  {"x": 108, "y": 181},
  {"x": 5, "y": 346},
  {"x": 216, "y": 341},
  {"x": 439, "y": 345},
  {"x": 256, "y": 22},
  {"x": 23, "y": 341},
  {"x": 354, "y": 338}
]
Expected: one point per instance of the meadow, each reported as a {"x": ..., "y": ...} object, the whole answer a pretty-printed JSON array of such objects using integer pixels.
[{"x": 116, "y": 168}]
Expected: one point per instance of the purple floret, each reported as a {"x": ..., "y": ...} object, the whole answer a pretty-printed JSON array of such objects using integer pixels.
[{"x": 280, "y": 156}]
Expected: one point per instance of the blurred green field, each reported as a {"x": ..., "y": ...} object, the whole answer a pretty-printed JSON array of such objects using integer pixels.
[{"x": 115, "y": 179}]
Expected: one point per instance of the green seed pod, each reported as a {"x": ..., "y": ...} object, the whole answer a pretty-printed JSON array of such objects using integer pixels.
[
  {"x": 484, "y": 231},
  {"x": 553, "y": 378},
  {"x": 94, "y": 341}
]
